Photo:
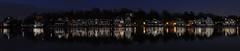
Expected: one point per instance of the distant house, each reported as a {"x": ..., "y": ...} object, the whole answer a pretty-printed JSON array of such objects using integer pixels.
[
  {"x": 209, "y": 21},
  {"x": 104, "y": 22},
  {"x": 59, "y": 22},
  {"x": 91, "y": 21},
  {"x": 204, "y": 22},
  {"x": 229, "y": 22},
  {"x": 128, "y": 21},
  {"x": 180, "y": 22},
  {"x": 119, "y": 21},
  {"x": 7, "y": 21},
  {"x": 59, "y": 26},
  {"x": 95, "y": 22},
  {"x": 82, "y": 22},
  {"x": 153, "y": 22},
  {"x": 38, "y": 22}
]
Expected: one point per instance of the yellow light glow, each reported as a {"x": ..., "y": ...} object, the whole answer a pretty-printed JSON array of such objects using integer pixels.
[
  {"x": 174, "y": 29},
  {"x": 174, "y": 23},
  {"x": 144, "y": 30}
]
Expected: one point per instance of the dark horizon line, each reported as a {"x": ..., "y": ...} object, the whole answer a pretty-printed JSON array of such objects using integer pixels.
[{"x": 118, "y": 9}]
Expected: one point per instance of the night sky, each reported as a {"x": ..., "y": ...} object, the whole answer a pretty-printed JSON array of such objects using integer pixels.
[{"x": 22, "y": 8}]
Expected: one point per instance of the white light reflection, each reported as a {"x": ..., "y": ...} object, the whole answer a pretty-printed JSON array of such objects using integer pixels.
[
  {"x": 154, "y": 30},
  {"x": 59, "y": 32},
  {"x": 75, "y": 32},
  {"x": 229, "y": 31},
  {"x": 96, "y": 32},
  {"x": 104, "y": 32},
  {"x": 37, "y": 31},
  {"x": 6, "y": 32},
  {"x": 203, "y": 31},
  {"x": 82, "y": 32},
  {"x": 123, "y": 32},
  {"x": 119, "y": 33},
  {"x": 180, "y": 31},
  {"x": 128, "y": 32}
]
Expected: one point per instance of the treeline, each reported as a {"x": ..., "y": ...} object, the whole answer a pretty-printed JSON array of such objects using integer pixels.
[{"x": 136, "y": 15}]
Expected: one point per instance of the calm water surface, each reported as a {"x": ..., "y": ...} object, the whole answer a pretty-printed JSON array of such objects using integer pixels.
[{"x": 121, "y": 38}]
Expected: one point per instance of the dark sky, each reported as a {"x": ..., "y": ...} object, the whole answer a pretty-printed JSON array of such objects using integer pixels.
[{"x": 24, "y": 7}]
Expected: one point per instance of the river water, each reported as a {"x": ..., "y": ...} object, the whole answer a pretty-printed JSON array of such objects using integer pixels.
[{"x": 121, "y": 38}]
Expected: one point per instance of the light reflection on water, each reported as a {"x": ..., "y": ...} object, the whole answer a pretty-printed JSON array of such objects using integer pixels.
[
  {"x": 6, "y": 32},
  {"x": 208, "y": 31},
  {"x": 154, "y": 30},
  {"x": 230, "y": 31},
  {"x": 168, "y": 38},
  {"x": 180, "y": 30},
  {"x": 37, "y": 31},
  {"x": 126, "y": 32}
]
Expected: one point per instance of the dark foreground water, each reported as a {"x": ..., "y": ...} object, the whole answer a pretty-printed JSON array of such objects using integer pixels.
[{"x": 121, "y": 39}]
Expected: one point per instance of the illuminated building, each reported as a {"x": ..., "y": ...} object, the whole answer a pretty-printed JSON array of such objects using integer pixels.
[
  {"x": 153, "y": 22},
  {"x": 229, "y": 22},
  {"x": 204, "y": 22},
  {"x": 179, "y": 22}
]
